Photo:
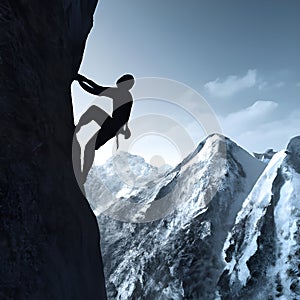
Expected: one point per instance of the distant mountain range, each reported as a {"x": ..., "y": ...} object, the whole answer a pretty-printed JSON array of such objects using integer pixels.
[
  {"x": 266, "y": 156},
  {"x": 220, "y": 225}
]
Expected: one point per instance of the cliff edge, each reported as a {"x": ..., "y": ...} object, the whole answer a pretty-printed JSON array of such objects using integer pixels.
[{"x": 49, "y": 239}]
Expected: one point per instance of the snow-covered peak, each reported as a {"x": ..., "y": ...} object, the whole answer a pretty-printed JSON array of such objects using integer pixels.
[
  {"x": 130, "y": 168},
  {"x": 293, "y": 153},
  {"x": 208, "y": 147},
  {"x": 129, "y": 178},
  {"x": 191, "y": 208},
  {"x": 262, "y": 251}
]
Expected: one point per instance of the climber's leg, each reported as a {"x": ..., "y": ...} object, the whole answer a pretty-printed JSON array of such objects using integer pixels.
[
  {"x": 89, "y": 155},
  {"x": 94, "y": 113},
  {"x": 76, "y": 157},
  {"x": 108, "y": 130}
]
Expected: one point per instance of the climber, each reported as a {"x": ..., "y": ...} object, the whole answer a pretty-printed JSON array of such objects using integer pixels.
[
  {"x": 111, "y": 126},
  {"x": 122, "y": 103}
]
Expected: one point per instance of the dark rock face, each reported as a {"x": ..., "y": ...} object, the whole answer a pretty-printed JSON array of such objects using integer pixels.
[
  {"x": 293, "y": 153},
  {"x": 49, "y": 239}
]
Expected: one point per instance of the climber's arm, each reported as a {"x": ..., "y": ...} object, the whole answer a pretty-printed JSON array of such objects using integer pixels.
[
  {"x": 89, "y": 85},
  {"x": 88, "y": 88},
  {"x": 89, "y": 81},
  {"x": 80, "y": 77},
  {"x": 125, "y": 131}
]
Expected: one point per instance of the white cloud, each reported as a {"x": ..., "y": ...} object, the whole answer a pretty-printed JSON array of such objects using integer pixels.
[
  {"x": 274, "y": 134},
  {"x": 280, "y": 84},
  {"x": 232, "y": 84},
  {"x": 244, "y": 119},
  {"x": 262, "y": 85},
  {"x": 255, "y": 128}
]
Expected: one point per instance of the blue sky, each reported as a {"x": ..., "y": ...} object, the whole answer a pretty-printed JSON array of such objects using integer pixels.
[{"x": 241, "y": 56}]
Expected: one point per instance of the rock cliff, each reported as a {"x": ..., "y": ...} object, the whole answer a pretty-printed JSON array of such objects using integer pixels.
[{"x": 49, "y": 239}]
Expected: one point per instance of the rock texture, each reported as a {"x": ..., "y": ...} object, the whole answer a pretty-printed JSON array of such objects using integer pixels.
[
  {"x": 179, "y": 256},
  {"x": 49, "y": 239},
  {"x": 262, "y": 251}
]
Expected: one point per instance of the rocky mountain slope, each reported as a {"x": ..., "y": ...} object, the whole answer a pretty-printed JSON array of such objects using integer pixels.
[
  {"x": 262, "y": 251},
  {"x": 177, "y": 256},
  {"x": 49, "y": 239}
]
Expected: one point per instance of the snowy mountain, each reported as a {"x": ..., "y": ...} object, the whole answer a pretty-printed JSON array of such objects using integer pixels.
[
  {"x": 177, "y": 219},
  {"x": 262, "y": 251},
  {"x": 266, "y": 156}
]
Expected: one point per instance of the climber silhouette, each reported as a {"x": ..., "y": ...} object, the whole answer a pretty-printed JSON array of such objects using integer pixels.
[{"x": 111, "y": 126}]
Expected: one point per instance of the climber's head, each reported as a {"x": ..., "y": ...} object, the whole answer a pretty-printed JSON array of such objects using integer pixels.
[{"x": 126, "y": 81}]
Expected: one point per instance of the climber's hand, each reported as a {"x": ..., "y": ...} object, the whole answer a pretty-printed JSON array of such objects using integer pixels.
[
  {"x": 77, "y": 129},
  {"x": 80, "y": 77},
  {"x": 127, "y": 133}
]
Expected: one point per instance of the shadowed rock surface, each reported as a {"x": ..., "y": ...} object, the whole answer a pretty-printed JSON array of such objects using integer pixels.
[
  {"x": 49, "y": 239},
  {"x": 293, "y": 153}
]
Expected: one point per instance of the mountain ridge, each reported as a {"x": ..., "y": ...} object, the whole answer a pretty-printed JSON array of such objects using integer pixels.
[
  {"x": 262, "y": 251},
  {"x": 205, "y": 192}
]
